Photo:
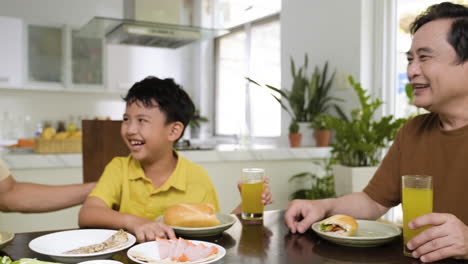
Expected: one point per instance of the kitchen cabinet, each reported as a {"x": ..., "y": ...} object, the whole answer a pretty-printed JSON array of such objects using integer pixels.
[{"x": 11, "y": 59}]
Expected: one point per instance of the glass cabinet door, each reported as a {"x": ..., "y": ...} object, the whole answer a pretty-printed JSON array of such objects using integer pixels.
[
  {"x": 45, "y": 54},
  {"x": 87, "y": 60}
]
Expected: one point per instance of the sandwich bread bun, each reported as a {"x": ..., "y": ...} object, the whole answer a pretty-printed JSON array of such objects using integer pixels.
[
  {"x": 191, "y": 215},
  {"x": 339, "y": 224}
]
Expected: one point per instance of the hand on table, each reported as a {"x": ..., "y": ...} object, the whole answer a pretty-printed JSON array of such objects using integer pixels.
[
  {"x": 147, "y": 230},
  {"x": 301, "y": 214},
  {"x": 448, "y": 237}
]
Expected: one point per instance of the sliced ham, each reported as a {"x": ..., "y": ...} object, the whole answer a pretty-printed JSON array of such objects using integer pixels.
[{"x": 182, "y": 250}]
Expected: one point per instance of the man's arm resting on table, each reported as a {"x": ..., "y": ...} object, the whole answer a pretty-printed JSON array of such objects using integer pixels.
[
  {"x": 301, "y": 214},
  {"x": 30, "y": 197}
]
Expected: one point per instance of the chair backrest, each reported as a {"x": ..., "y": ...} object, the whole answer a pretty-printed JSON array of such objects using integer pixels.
[{"x": 101, "y": 143}]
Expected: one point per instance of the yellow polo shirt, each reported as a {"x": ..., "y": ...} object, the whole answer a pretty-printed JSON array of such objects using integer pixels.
[
  {"x": 124, "y": 187},
  {"x": 4, "y": 172}
]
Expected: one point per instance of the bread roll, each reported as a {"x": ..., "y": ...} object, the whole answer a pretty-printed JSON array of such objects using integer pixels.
[
  {"x": 339, "y": 224},
  {"x": 191, "y": 215}
]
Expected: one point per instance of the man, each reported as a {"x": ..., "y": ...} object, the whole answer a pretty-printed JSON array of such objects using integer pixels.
[
  {"x": 29, "y": 197},
  {"x": 433, "y": 144}
]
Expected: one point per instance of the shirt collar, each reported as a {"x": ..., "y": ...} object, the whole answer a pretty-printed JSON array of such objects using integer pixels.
[{"x": 178, "y": 178}]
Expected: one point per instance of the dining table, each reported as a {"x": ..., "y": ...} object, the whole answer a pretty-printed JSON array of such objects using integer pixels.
[{"x": 262, "y": 241}]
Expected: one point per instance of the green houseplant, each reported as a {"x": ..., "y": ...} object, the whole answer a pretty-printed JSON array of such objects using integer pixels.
[
  {"x": 321, "y": 186},
  {"x": 360, "y": 140},
  {"x": 307, "y": 98},
  {"x": 195, "y": 124}
]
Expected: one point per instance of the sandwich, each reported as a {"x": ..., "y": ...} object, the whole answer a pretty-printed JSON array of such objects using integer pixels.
[
  {"x": 191, "y": 215},
  {"x": 340, "y": 225}
]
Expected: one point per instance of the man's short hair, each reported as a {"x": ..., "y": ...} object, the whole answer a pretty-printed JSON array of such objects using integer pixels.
[
  {"x": 171, "y": 99},
  {"x": 458, "y": 35}
]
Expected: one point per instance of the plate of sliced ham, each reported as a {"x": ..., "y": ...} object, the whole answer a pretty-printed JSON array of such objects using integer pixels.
[{"x": 166, "y": 251}]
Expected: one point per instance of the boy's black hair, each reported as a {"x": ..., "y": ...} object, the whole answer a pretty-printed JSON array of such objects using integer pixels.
[
  {"x": 171, "y": 99},
  {"x": 458, "y": 34}
]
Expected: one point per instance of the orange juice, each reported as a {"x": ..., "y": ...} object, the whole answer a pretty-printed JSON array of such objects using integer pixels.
[
  {"x": 416, "y": 202},
  {"x": 252, "y": 206}
]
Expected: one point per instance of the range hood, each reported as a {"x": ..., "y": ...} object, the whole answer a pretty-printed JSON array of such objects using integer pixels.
[{"x": 143, "y": 33}]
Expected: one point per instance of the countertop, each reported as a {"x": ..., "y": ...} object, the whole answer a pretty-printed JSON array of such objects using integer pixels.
[{"x": 223, "y": 153}]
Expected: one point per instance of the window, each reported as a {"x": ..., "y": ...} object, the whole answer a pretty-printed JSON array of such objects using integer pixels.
[{"x": 253, "y": 50}]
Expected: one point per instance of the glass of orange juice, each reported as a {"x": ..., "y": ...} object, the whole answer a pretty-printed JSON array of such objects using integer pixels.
[
  {"x": 416, "y": 201},
  {"x": 251, "y": 193}
]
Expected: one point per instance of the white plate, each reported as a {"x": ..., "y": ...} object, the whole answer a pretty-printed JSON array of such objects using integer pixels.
[
  {"x": 55, "y": 244},
  {"x": 226, "y": 222},
  {"x": 5, "y": 238},
  {"x": 101, "y": 261},
  {"x": 369, "y": 234},
  {"x": 149, "y": 250}
]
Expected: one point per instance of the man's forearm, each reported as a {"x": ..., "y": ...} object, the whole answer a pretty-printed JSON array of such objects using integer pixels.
[{"x": 358, "y": 205}]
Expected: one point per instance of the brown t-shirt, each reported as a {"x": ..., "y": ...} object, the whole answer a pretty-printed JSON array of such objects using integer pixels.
[{"x": 421, "y": 147}]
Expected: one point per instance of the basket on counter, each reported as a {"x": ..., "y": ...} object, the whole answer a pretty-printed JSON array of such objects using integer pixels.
[{"x": 65, "y": 145}]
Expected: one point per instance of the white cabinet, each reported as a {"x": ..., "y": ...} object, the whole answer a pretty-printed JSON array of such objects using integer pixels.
[{"x": 11, "y": 55}]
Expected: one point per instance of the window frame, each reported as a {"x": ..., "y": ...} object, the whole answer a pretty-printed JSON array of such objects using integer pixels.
[{"x": 247, "y": 27}]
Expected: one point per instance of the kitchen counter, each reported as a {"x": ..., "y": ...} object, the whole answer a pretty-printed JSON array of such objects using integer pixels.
[{"x": 223, "y": 153}]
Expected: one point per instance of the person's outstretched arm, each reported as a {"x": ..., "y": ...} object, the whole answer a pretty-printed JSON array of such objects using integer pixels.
[
  {"x": 30, "y": 197},
  {"x": 95, "y": 213},
  {"x": 301, "y": 214}
]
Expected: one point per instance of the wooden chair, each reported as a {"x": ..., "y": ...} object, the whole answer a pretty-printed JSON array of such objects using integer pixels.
[{"x": 101, "y": 143}]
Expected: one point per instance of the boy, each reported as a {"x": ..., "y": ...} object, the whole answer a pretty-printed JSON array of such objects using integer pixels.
[{"x": 134, "y": 190}]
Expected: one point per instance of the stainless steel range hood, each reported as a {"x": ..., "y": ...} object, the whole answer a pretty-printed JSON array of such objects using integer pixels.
[{"x": 142, "y": 33}]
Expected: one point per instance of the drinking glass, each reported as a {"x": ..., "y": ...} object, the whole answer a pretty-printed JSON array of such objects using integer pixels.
[
  {"x": 416, "y": 201},
  {"x": 251, "y": 193}
]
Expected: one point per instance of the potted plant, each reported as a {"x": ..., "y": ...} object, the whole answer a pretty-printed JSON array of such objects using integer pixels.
[
  {"x": 321, "y": 185},
  {"x": 322, "y": 132},
  {"x": 359, "y": 141},
  {"x": 294, "y": 136},
  {"x": 308, "y": 97},
  {"x": 195, "y": 124}
]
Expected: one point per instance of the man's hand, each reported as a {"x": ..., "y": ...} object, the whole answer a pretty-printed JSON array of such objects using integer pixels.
[
  {"x": 448, "y": 237},
  {"x": 146, "y": 230},
  {"x": 301, "y": 214}
]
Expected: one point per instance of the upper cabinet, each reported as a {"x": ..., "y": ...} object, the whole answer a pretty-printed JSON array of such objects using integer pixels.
[
  {"x": 11, "y": 47},
  {"x": 57, "y": 56}
]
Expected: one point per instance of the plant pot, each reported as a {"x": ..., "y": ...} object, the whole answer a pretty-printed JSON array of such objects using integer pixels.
[
  {"x": 307, "y": 132},
  {"x": 322, "y": 137},
  {"x": 351, "y": 179},
  {"x": 295, "y": 140}
]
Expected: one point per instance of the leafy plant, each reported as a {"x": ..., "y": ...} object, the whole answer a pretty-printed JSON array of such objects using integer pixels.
[
  {"x": 319, "y": 89},
  {"x": 360, "y": 139},
  {"x": 307, "y": 97},
  {"x": 320, "y": 122},
  {"x": 197, "y": 119},
  {"x": 293, "y": 127},
  {"x": 321, "y": 187}
]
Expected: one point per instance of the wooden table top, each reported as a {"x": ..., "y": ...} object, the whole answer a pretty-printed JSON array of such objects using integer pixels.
[{"x": 265, "y": 242}]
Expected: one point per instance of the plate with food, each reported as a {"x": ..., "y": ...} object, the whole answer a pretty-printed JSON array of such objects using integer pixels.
[
  {"x": 347, "y": 231},
  {"x": 81, "y": 245},
  {"x": 5, "y": 238},
  {"x": 176, "y": 251},
  {"x": 196, "y": 220}
]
